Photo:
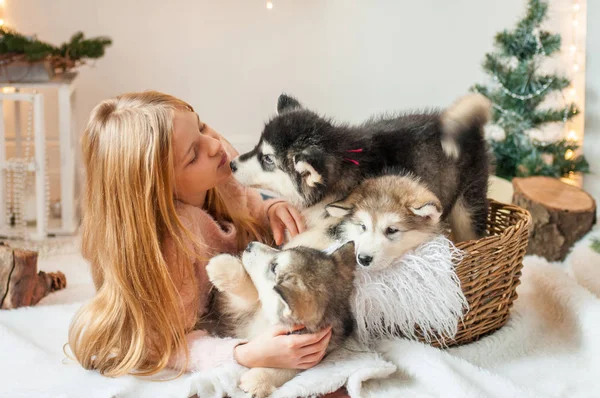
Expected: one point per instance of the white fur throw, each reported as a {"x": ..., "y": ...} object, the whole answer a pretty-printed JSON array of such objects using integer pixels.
[
  {"x": 420, "y": 289},
  {"x": 550, "y": 347}
]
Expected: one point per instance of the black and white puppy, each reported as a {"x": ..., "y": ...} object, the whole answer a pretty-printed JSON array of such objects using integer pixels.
[{"x": 311, "y": 160}]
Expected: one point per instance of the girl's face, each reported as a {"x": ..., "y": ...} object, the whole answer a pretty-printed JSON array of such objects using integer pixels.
[{"x": 201, "y": 162}]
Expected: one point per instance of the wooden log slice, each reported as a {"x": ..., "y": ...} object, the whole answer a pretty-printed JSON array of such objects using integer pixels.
[{"x": 561, "y": 213}]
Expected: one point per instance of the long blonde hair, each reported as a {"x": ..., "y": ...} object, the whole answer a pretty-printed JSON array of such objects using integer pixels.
[{"x": 129, "y": 208}]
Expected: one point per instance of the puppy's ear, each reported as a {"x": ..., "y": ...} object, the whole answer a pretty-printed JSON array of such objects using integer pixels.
[
  {"x": 298, "y": 302},
  {"x": 431, "y": 210},
  {"x": 341, "y": 208},
  {"x": 282, "y": 292},
  {"x": 286, "y": 103},
  {"x": 310, "y": 164},
  {"x": 345, "y": 256}
]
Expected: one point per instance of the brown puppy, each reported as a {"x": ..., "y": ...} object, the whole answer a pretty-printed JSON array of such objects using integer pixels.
[{"x": 386, "y": 217}]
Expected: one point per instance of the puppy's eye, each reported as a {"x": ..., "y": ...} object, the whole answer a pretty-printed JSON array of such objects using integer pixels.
[
  {"x": 391, "y": 230},
  {"x": 273, "y": 267},
  {"x": 363, "y": 227},
  {"x": 268, "y": 159}
]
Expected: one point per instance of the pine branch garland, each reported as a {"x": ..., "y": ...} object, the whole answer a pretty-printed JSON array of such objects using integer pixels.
[{"x": 69, "y": 55}]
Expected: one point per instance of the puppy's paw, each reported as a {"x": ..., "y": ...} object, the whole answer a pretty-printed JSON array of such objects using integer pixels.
[
  {"x": 257, "y": 383},
  {"x": 225, "y": 271}
]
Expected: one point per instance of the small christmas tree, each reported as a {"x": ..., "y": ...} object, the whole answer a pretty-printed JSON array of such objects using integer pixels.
[{"x": 517, "y": 92}]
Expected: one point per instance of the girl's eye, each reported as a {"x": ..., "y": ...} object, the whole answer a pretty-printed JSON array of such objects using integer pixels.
[
  {"x": 272, "y": 267},
  {"x": 267, "y": 159},
  {"x": 194, "y": 158},
  {"x": 391, "y": 230}
]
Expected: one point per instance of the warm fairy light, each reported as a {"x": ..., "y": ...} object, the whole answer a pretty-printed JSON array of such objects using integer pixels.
[
  {"x": 576, "y": 67},
  {"x": 1, "y": 22},
  {"x": 269, "y": 5},
  {"x": 572, "y": 134},
  {"x": 569, "y": 154},
  {"x": 8, "y": 90}
]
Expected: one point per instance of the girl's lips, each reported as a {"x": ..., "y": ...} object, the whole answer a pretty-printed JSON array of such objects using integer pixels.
[{"x": 223, "y": 159}]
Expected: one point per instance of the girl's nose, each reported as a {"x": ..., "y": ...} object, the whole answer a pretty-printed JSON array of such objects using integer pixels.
[{"x": 214, "y": 146}]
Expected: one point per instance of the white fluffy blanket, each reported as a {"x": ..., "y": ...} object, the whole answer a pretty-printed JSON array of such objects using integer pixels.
[
  {"x": 549, "y": 348},
  {"x": 421, "y": 288}
]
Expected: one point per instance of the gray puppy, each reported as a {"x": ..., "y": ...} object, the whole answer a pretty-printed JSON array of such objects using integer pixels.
[{"x": 299, "y": 286}]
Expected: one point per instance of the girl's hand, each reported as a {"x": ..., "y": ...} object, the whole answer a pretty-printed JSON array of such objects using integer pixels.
[
  {"x": 341, "y": 393},
  {"x": 276, "y": 349},
  {"x": 284, "y": 216}
]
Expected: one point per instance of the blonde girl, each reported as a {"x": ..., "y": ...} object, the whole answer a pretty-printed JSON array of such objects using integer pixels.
[{"x": 159, "y": 202}]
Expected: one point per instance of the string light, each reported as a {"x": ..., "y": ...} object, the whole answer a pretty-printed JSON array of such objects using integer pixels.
[
  {"x": 540, "y": 51},
  {"x": 572, "y": 134},
  {"x": 536, "y": 93},
  {"x": 269, "y": 5},
  {"x": 569, "y": 154}
]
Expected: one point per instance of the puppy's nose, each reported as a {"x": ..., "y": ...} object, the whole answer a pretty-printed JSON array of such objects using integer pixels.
[
  {"x": 249, "y": 247},
  {"x": 233, "y": 166},
  {"x": 365, "y": 261}
]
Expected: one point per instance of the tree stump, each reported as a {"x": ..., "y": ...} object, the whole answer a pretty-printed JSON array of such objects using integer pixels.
[
  {"x": 561, "y": 214},
  {"x": 20, "y": 283}
]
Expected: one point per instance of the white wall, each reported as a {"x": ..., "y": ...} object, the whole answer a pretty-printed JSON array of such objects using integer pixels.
[
  {"x": 230, "y": 59},
  {"x": 591, "y": 182}
]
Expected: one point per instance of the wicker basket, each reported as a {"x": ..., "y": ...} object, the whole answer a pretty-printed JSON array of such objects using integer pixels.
[{"x": 490, "y": 272}]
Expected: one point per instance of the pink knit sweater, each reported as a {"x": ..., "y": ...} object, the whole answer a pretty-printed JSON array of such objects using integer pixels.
[{"x": 219, "y": 237}]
